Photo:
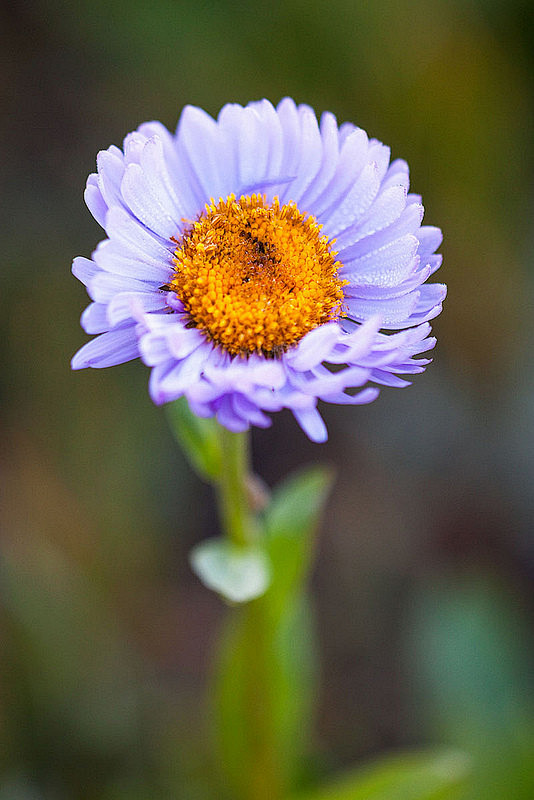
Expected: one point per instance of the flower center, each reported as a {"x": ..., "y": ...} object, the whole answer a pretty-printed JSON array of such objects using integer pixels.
[{"x": 256, "y": 277}]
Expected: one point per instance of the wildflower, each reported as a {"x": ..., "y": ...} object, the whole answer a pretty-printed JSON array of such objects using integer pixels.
[{"x": 255, "y": 262}]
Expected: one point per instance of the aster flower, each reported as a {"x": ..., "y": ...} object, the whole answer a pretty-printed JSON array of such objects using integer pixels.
[{"x": 259, "y": 261}]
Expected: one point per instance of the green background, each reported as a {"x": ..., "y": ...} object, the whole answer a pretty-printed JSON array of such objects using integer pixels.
[{"x": 423, "y": 584}]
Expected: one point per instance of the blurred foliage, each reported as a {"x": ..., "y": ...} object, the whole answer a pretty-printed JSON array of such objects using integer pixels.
[
  {"x": 473, "y": 668},
  {"x": 406, "y": 776},
  {"x": 427, "y": 549}
]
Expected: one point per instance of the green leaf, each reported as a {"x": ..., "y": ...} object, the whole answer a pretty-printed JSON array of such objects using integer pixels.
[
  {"x": 297, "y": 502},
  {"x": 237, "y": 573},
  {"x": 199, "y": 439},
  {"x": 409, "y": 776},
  {"x": 291, "y": 521}
]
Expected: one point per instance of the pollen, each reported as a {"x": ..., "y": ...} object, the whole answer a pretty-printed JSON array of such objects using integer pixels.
[{"x": 254, "y": 276}]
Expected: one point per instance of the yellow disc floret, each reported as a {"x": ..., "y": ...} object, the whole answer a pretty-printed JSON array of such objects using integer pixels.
[{"x": 255, "y": 277}]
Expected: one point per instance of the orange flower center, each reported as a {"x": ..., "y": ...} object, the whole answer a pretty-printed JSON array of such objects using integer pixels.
[{"x": 256, "y": 277}]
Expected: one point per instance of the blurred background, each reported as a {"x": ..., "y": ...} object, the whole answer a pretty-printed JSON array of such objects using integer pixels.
[{"x": 423, "y": 583}]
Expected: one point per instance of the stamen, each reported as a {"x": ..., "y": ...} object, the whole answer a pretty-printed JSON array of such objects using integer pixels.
[{"x": 256, "y": 277}]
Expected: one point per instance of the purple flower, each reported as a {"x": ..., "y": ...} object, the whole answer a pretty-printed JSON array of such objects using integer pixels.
[{"x": 254, "y": 263}]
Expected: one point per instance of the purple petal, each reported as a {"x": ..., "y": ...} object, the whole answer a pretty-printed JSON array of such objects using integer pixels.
[
  {"x": 311, "y": 154},
  {"x": 148, "y": 208},
  {"x": 314, "y": 347},
  {"x": 94, "y": 200},
  {"x": 104, "y": 286},
  {"x": 392, "y": 312},
  {"x": 112, "y": 258},
  {"x": 84, "y": 269},
  {"x": 386, "y": 209},
  {"x": 200, "y": 145},
  {"x": 311, "y": 423},
  {"x": 389, "y": 266},
  {"x": 358, "y": 399},
  {"x": 107, "y": 350},
  {"x": 408, "y": 223},
  {"x": 330, "y": 154},
  {"x": 133, "y": 237},
  {"x": 121, "y": 304},
  {"x": 354, "y": 205},
  {"x": 351, "y": 161},
  {"x": 94, "y": 319}
]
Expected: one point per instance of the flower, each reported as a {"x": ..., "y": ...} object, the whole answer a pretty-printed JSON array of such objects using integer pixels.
[{"x": 254, "y": 262}]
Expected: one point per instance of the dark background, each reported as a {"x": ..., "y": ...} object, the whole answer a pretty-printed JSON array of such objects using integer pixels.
[{"x": 423, "y": 584}]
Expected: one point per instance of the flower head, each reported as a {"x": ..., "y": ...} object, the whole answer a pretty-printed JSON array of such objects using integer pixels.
[{"x": 254, "y": 262}]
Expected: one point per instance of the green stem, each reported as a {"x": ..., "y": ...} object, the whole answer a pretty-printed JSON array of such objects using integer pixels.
[
  {"x": 265, "y": 775},
  {"x": 261, "y": 775},
  {"x": 237, "y": 520}
]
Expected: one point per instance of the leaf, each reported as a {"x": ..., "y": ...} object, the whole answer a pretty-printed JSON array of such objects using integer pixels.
[
  {"x": 199, "y": 439},
  {"x": 296, "y": 503},
  {"x": 237, "y": 573},
  {"x": 409, "y": 776},
  {"x": 291, "y": 521}
]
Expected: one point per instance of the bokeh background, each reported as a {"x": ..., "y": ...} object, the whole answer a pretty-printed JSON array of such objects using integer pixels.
[{"x": 423, "y": 583}]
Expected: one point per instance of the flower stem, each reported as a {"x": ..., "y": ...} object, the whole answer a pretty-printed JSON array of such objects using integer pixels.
[
  {"x": 265, "y": 777},
  {"x": 237, "y": 520},
  {"x": 261, "y": 779}
]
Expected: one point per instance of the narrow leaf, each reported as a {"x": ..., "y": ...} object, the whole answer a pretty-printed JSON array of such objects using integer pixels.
[
  {"x": 198, "y": 438},
  {"x": 291, "y": 521},
  {"x": 409, "y": 776}
]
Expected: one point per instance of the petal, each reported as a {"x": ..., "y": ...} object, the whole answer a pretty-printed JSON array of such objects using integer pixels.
[
  {"x": 121, "y": 261},
  {"x": 108, "y": 349},
  {"x": 311, "y": 423},
  {"x": 430, "y": 239},
  {"x": 351, "y": 161},
  {"x": 171, "y": 379},
  {"x": 199, "y": 143},
  {"x": 121, "y": 305},
  {"x": 154, "y": 163},
  {"x": 247, "y": 149},
  {"x": 149, "y": 209},
  {"x": 330, "y": 155},
  {"x": 94, "y": 319},
  {"x": 290, "y": 124},
  {"x": 408, "y": 222},
  {"x": 313, "y": 347},
  {"x": 351, "y": 348},
  {"x": 386, "y": 209},
  {"x": 110, "y": 165},
  {"x": 249, "y": 411},
  {"x": 227, "y": 416},
  {"x": 311, "y": 154},
  {"x": 392, "y": 312},
  {"x": 84, "y": 269},
  {"x": 181, "y": 181},
  {"x": 104, "y": 286},
  {"x": 360, "y": 398},
  {"x": 355, "y": 203},
  {"x": 389, "y": 266},
  {"x": 132, "y": 237},
  {"x": 94, "y": 200}
]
